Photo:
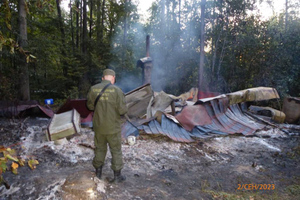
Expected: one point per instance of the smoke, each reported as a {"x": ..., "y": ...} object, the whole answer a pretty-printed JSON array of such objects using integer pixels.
[
  {"x": 173, "y": 49},
  {"x": 129, "y": 81},
  {"x": 126, "y": 54}
]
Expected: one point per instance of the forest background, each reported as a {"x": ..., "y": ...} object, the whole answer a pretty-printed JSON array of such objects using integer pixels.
[{"x": 216, "y": 45}]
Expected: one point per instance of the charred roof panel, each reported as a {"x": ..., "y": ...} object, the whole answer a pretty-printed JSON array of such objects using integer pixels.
[
  {"x": 137, "y": 101},
  {"x": 253, "y": 94}
]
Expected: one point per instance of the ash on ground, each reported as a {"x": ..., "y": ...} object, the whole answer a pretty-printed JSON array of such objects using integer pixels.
[{"x": 155, "y": 166}]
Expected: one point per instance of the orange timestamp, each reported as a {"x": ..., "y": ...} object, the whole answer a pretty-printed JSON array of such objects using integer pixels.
[{"x": 256, "y": 187}]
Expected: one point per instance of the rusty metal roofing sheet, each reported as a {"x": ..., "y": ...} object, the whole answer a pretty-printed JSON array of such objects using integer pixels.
[
  {"x": 224, "y": 118},
  {"x": 230, "y": 125}
]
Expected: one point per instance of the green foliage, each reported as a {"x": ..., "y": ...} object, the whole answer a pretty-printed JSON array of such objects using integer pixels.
[
  {"x": 242, "y": 51},
  {"x": 294, "y": 190}
]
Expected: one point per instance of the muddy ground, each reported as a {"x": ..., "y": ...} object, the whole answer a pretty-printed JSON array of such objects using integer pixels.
[{"x": 156, "y": 167}]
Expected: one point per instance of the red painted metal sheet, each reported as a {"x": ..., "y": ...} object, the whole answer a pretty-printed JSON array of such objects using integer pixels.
[
  {"x": 49, "y": 112},
  {"x": 192, "y": 116},
  {"x": 10, "y": 109},
  {"x": 203, "y": 94},
  {"x": 218, "y": 117},
  {"x": 78, "y": 104}
]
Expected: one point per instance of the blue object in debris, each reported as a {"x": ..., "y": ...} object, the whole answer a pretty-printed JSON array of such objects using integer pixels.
[{"x": 48, "y": 101}]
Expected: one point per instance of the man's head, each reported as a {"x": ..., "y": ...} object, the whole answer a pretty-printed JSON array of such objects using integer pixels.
[{"x": 110, "y": 75}]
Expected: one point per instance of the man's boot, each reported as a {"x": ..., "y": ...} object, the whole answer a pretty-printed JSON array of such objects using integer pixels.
[
  {"x": 99, "y": 172},
  {"x": 117, "y": 177}
]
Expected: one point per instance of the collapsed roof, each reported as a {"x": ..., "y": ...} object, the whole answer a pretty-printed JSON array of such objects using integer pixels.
[{"x": 185, "y": 118}]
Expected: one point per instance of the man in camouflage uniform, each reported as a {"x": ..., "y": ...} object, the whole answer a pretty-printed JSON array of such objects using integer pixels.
[{"x": 107, "y": 123}]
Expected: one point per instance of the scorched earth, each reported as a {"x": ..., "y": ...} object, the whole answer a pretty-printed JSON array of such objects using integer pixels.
[{"x": 264, "y": 166}]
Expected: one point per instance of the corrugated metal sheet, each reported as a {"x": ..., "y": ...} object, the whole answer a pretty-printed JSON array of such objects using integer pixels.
[
  {"x": 225, "y": 120},
  {"x": 192, "y": 116},
  {"x": 10, "y": 109},
  {"x": 205, "y": 132},
  {"x": 210, "y": 117},
  {"x": 167, "y": 127},
  {"x": 129, "y": 129}
]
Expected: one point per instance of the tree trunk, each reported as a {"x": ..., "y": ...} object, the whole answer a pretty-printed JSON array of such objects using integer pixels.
[
  {"x": 91, "y": 17},
  {"x": 72, "y": 27},
  {"x": 124, "y": 35},
  {"x": 102, "y": 20},
  {"x": 201, "y": 64},
  {"x": 77, "y": 23},
  {"x": 98, "y": 21},
  {"x": 62, "y": 31},
  {"x": 24, "y": 72},
  {"x": 84, "y": 28}
]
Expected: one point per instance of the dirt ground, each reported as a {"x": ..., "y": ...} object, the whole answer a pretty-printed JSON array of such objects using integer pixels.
[{"x": 265, "y": 166}]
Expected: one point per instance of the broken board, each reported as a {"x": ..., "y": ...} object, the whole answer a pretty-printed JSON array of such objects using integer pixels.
[{"x": 63, "y": 125}]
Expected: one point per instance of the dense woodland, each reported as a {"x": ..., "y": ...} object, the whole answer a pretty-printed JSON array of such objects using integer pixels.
[{"x": 215, "y": 45}]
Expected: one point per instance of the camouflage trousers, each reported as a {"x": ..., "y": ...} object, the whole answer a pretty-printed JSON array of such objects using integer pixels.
[{"x": 114, "y": 142}]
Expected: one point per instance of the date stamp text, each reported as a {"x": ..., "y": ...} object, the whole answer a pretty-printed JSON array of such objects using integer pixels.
[{"x": 256, "y": 186}]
